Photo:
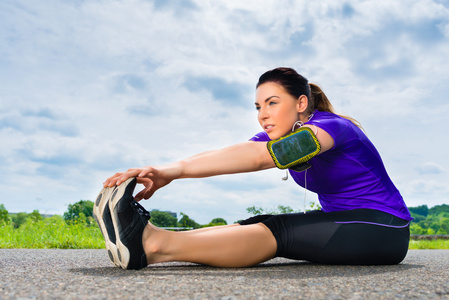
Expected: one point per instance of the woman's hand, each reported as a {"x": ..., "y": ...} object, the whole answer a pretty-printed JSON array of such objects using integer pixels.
[{"x": 153, "y": 178}]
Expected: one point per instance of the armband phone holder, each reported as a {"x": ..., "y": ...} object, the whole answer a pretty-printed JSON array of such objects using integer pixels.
[{"x": 294, "y": 150}]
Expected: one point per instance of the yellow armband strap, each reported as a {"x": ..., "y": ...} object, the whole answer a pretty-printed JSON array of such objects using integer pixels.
[{"x": 295, "y": 149}]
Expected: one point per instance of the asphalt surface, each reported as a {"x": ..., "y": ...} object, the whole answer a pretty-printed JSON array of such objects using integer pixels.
[{"x": 88, "y": 274}]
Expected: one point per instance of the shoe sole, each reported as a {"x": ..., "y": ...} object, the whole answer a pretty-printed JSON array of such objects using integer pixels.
[
  {"x": 99, "y": 207},
  {"x": 123, "y": 254}
]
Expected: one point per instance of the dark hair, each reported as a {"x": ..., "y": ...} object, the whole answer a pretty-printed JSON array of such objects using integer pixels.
[{"x": 297, "y": 85}]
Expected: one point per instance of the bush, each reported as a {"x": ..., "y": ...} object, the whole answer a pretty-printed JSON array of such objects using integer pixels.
[
  {"x": 4, "y": 216},
  {"x": 35, "y": 216},
  {"x": 80, "y": 212},
  {"x": 430, "y": 221},
  {"x": 421, "y": 210},
  {"x": 163, "y": 219},
  {"x": 185, "y": 221},
  {"x": 216, "y": 222},
  {"x": 219, "y": 221},
  {"x": 19, "y": 219},
  {"x": 280, "y": 209}
]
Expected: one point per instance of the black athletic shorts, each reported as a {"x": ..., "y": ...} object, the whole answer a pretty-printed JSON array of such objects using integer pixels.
[{"x": 355, "y": 237}]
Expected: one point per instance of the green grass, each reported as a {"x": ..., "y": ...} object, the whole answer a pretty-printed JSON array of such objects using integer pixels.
[
  {"x": 429, "y": 244},
  {"x": 51, "y": 232},
  {"x": 54, "y": 232}
]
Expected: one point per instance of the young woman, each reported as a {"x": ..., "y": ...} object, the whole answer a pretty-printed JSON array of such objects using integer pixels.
[{"x": 364, "y": 219}]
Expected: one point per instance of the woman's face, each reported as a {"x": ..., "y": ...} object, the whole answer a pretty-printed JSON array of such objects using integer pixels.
[{"x": 278, "y": 110}]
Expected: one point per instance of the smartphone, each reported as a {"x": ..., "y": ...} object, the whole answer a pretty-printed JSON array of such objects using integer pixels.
[{"x": 295, "y": 149}]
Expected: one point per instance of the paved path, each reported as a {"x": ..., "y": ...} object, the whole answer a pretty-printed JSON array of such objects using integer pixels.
[{"x": 88, "y": 274}]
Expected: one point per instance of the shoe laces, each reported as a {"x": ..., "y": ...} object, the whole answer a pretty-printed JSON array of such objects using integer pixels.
[{"x": 141, "y": 210}]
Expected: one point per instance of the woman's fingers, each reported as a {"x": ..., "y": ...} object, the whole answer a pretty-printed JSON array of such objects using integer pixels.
[
  {"x": 118, "y": 178},
  {"x": 145, "y": 176},
  {"x": 128, "y": 174},
  {"x": 146, "y": 170},
  {"x": 110, "y": 179},
  {"x": 147, "y": 192},
  {"x": 144, "y": 194},
  {"x": 139, "y": 195}
]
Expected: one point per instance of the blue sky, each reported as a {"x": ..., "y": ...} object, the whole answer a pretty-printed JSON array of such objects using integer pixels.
[{"x": 90, "y": 88}]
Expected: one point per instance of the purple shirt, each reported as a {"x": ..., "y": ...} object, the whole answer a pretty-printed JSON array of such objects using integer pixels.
[{"x": 351, "y": 175}]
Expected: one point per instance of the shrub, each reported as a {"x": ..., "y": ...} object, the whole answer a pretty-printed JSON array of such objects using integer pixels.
[{"x": 4, "y": 216}]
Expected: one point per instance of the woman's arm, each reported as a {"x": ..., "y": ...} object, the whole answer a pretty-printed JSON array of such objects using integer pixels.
[{"x": 239, "y": 158}]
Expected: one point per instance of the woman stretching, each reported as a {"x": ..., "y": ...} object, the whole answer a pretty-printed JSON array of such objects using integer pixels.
[{"x": 363, "y": 220}]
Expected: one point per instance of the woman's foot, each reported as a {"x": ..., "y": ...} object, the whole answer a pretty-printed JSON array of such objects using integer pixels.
[
  {"x": 129, "y": 219},
  {"x": 102, "y": 215}
]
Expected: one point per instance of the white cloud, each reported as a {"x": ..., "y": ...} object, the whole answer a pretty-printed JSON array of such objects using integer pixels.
[
  {"x": 428, "y": 188},
  {"x": 430, "y": 168},
  {"x": 91, "y": 88}
]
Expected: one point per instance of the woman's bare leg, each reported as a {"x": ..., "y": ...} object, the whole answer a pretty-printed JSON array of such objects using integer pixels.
[
  {"x": 207, "y": 228},
  {"x": 223, "y": 246}
]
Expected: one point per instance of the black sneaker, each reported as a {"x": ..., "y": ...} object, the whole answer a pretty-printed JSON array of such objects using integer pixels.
[
  {"x": 129, "y": 219},
  {"x": 102, "y": 215}
]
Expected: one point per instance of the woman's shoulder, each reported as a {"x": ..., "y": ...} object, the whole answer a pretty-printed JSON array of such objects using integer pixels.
[
  {"x": 329, "y": 121},
  {"x": 325, "y": 116},
  {"x": 339, "y": 128}
]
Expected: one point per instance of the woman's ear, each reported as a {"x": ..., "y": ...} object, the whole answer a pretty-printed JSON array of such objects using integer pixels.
[{"x": 302, "y": 103}]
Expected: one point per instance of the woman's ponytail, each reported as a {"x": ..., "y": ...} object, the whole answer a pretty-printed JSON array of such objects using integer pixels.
[{"x": 319, "y": 100}]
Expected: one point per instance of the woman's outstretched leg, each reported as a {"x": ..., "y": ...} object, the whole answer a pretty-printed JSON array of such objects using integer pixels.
[{"x": 224, "y": 246}]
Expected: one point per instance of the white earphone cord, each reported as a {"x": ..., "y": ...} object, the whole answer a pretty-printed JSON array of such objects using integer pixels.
[
  {"x": 305, "y": 172},
  {"x": 305, "y": 189}
]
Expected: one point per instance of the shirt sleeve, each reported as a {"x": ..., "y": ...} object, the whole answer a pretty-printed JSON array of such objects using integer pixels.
[
  {"x": 337, "y": 127},
  {"x": 260, "y": 137}
]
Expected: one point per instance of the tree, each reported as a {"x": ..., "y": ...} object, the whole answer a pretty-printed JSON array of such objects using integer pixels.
[
  {"x": 18, "y": 219},
  {"x": 35, "y": 216},
  {"x": 285, "y": 209},
  {"x": 422, "y": 210},
  {"x": 185, "y": 221},
  {"x": 216, "y": 222},
  {"x": 163, "y": 219},
  {"x": 444, "y": 226},
  {"x": 416, "y": 229},
  {"x": 4, "y": 215},
  {"x": 255, "y": 210},
  {"x": 437, "y": 209},
  {"x": 74, "y": 211},
  {"x": 280, "y": 209},
  {"x": 219, "y": 221}
]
